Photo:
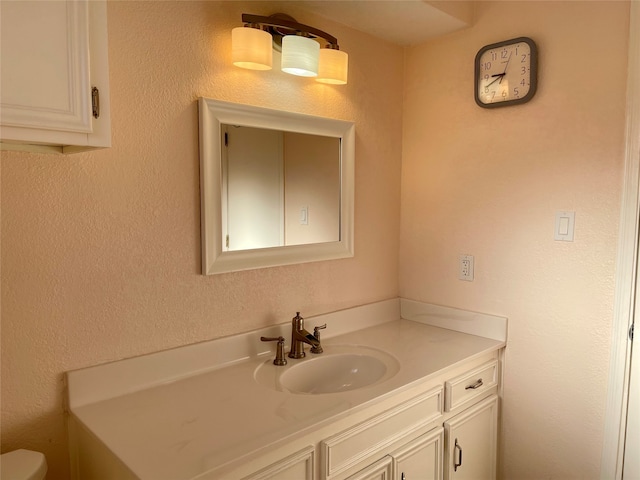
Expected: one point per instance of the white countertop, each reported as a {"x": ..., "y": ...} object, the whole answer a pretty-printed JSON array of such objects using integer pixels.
[{"x": 192, "y": 425}]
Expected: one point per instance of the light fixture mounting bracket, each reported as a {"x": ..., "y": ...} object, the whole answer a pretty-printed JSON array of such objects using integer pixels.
[{"x": 281, "y": 24}]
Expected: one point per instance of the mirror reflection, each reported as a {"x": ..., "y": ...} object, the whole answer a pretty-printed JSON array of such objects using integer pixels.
[
  {"x": 279, "y": 188},
  {"x": 277, "y": 185}
]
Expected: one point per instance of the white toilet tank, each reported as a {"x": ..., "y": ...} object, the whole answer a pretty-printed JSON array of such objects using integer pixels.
[{"x": 23, "y": 465}]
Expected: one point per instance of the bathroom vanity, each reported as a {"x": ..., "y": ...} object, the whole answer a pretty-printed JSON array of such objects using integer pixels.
[{"x": 427, "y": 406}]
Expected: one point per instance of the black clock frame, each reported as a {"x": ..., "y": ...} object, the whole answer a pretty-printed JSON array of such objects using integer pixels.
[{"x": 533, "y": 79}]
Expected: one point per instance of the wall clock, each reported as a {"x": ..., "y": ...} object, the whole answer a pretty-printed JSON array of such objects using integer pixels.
[{"x": 506, "y": 73}]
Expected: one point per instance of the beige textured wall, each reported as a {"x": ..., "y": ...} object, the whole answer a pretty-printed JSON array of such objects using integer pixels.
[
  {"x": 101, "y": 251},
  {"x": 488, "y": 183}
]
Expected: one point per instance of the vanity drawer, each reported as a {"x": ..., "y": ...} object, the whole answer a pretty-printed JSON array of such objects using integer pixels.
[
  {"x": 470, "y": 385},
  {"x": 347, "y": 448}
]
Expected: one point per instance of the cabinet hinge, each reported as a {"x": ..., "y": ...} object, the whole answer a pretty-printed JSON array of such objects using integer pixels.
[
  {"x": 226, "y": 139},
  {"x": 95, "y": 101},
  {"x": 631, "y": 332},
  {"x": 227, "y": 241}
]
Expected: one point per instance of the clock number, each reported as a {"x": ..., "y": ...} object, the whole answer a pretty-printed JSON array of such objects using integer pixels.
[
  {"x": 522, "y": 82},
  {"x": 524, "y": 58},
  {"x": 504, "y": 53},
  {"x": 515, "y": 91},
  {"x": 494, "y": 56},
  {"x": 523, "y": 70},
  {"x": 486, "y": 66}
]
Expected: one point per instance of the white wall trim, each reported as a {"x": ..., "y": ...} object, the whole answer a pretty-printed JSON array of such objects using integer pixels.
[{"x": 616, "y": 412}]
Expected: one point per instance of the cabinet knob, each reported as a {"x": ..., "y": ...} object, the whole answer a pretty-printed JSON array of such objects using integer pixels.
[
  {"x": 95, "y": 102},
  {"x": 457, "y": 463},
  {"x": 478, "y": 384}
]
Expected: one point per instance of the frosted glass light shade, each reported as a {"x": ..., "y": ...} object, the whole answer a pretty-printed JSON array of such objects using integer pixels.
[
  {"x": 333, "y": 66},
  {"x": 251, "y": 48},
  {"x": 300, "y": 55}
]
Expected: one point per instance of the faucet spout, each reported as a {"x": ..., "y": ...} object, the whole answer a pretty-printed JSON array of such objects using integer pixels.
[
  {"x": 299, "y": 336},
  {"x": 307, "y": 337}
]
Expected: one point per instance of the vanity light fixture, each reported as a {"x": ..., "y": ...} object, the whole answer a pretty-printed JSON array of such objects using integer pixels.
[{"x": 301, "y": 52}]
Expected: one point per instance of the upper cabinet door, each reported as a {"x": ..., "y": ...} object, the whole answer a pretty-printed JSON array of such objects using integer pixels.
[{"x": 54, "y": 75}]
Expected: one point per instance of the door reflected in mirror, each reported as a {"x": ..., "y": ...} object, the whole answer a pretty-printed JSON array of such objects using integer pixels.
[{"x": 279, "y": 188}]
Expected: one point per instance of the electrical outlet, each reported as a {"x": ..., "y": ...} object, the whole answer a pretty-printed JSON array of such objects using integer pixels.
[{"x": 465, "y": 271}]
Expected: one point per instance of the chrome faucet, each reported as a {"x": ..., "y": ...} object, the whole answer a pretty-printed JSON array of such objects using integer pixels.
[{"x": 299, "y": 336}]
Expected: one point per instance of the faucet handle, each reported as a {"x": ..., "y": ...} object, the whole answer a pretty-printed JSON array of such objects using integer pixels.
[
  {"x": 316, "y": 333},
  {"x": 316, "y": 330},
  {"x": 279, "y": 360}
]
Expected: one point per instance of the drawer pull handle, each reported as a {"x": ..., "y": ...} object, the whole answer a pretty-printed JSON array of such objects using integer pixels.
[
  {"x": 458, "y": 463},
  {"x": 478, "y": 384}
]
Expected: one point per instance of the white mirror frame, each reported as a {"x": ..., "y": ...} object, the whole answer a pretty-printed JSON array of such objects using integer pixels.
[{"x": 212, "y": 114}]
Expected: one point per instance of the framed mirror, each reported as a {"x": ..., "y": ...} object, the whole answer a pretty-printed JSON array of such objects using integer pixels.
[{"x": 277, "y": 187}]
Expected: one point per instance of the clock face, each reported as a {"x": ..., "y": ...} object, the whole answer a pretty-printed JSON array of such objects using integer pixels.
[{"x": 506, "y": 73}]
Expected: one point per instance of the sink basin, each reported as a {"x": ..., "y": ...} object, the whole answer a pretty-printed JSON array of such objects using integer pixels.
[
  {"x": 339, "y": 369},
  {"x": 334, "y": 373}
]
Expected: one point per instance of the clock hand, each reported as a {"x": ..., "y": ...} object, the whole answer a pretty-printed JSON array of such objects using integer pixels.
[
  {"x": 507, "y": 65},
  {"x": 498, "y": 77}
]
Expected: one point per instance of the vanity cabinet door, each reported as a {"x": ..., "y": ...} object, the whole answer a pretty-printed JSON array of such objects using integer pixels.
[
  {"x": 380, "y": 470},
  {"x": 471, "y": 439},
  {"x": 420, "y": 459},
  {"x": 55, "y": 90}
]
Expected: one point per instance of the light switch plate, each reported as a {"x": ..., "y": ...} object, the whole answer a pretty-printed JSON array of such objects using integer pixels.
[{"x": 565, "y": 226}]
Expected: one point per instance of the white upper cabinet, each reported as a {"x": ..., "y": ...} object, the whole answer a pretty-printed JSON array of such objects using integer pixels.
[{"x": 54, "y": 76}]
